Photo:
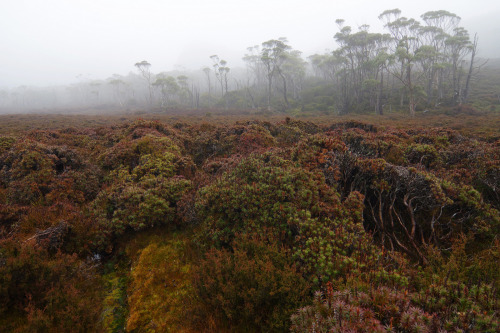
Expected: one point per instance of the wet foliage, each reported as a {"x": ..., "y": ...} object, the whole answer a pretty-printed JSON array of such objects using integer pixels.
[{"x": 255, "y": 225}]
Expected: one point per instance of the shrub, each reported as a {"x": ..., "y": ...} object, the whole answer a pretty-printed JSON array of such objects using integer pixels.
[
  {"x": 254, "y": 288},
  {"x": 333, "y": 315},
  {"x": 262, "y": 194},
  {"x": 379, "y": 310},
  {"x": 57, "y": 293},
  {"x": 135, "y": 206}
]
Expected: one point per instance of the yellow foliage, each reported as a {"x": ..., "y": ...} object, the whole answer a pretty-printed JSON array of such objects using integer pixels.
[
  {"x": 114, "y": 305},
  {"x": 159, "y": 287}
]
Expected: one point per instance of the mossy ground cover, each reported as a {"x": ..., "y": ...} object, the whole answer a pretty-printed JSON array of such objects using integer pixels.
[{"x": 237, "y": 224}]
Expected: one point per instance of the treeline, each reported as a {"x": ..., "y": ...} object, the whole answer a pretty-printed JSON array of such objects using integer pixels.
[{"x": 413, "y": 63}]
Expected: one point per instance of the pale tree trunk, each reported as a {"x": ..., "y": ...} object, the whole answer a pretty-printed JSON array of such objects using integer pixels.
[
  {"x": 411, "y": 95},
  {"x": 284, "y": 89},
  {"x": 380, "y": 110},
  {"x": 269, "y": 87},
  {"x": 471, "y": 69}
]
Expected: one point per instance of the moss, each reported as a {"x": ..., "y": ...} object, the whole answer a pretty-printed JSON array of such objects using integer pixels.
[
  {"x": 115, "y": 303},
  {"x": 159, "y": 288}
]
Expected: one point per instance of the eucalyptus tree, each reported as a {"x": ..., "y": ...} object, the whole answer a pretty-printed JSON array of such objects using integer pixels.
[
  {"x": 294, "y": 70},
  {"x": 434, "y": 64},
  {"x": 274, "y": 54},
  {"x": 326, "y": 65},
  {"x": 144, "y": 68},
  {"x": 95, "y": 91},
  {"x": 458, "y": 47},
  {"x": 185, "y": 92},
  {"x": 381, "y": 62},
  {"x": 473, "y": 50},
  {"x": 452, "y": 44},
  {"x": 428, "y": 66},
  {"x": 362, "y": 57},
  {"x": 168, "y": 88},
  {"x": 420, "y": 59},
  {"x": 117, "y": 84},
  {"x": 221, "y": 72},
  {"x": 406, "y": 47},
  {"x": 207, "y": 72},
  {"x": 256, "y": 74},
  {"x": 316, "y": 61},
  {"x": 441, "y": 19},
  {"x": 347, "y": 68}
]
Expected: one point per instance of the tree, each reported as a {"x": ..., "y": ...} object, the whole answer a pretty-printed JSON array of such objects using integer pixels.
[
  {"x": 406, "y": 46},
  {"x": 168, "y": 88},
  {"x": 451, "y": 43},
  {"x": 362, "y": 57},
  {"x": 184, "y": 92},
  {"x": 116, "y": 82},
  {"x": 221, "y": 71},
  {"x": 294, "y": 70},
  {"x": 144, "y": 69},
  {"x": 207, "y": 71},
  {"x": 326, "y": 65},
  {"x": 274, "y": 54},
  {"x": 473, "y": 48},
  {"x": 256, "y": 77},
  {"x": 95, "y": 91},
  {"x": 458, "y": 46},
  {"x": 381, "y": 62}
]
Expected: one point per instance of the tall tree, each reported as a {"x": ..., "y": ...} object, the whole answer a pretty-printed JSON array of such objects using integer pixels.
[
  {"x": 221, "y": 73},
  {"x": 256, "y": 74},
  {"x": 116, "y": 81},
  {"x": 473, "y": 48},
  {"x": 168, "y": 88},
  {"x": 207, "y": 72},
  {"x": 274, "y": 54},
  {"x": 406, "y": 45},
  {"x": 144, "y": 68},
  {"x": 361, "y": 56},
  {"x": 294, "y": 70},
  {"x": 185, "y": 92},
  {"x": 458, "y": 46}
]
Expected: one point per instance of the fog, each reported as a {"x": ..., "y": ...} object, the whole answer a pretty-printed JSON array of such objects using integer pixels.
[
  {"x": 81, "y": 55},
  {"x": 55, "y": 42}
]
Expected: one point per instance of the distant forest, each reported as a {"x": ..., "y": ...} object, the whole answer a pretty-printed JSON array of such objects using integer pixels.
[{"x": 414, "y": 65}]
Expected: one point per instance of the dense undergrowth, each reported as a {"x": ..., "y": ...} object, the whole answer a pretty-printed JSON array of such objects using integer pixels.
[{"x": 254, "y": 225}]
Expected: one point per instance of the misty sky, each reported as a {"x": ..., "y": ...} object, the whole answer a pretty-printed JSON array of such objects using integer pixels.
[{"x": 50, "y": 42}]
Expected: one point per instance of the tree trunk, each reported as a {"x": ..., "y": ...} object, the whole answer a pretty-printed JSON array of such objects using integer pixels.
[
  {"x": 412, "y": 105},
  {"x": 209, "y": 88},
  {"x": 430, "y": 80},
  {"x": 411, "y": 95},
  {"x": 380, "y": 109},
  {"x": 284, "y": 89},
  {"x": 269, "y": 87},
  {"x": 471, "y": 68}
]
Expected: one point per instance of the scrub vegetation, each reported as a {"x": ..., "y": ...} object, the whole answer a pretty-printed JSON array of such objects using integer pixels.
[
  {"x": 358, "y": 192},
  {"x": 193, "y": 224}
]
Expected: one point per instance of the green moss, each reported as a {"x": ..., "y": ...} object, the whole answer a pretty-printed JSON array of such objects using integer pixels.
[
  {"x": 115, "y": 303},
  {"x": 160, "y": 287}
]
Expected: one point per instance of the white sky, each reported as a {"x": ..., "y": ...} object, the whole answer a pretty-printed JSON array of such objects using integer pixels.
[{"x": 46, "y": 42}]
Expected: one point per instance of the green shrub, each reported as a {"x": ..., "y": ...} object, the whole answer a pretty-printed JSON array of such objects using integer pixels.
[{"x": 255, "y": 287}]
